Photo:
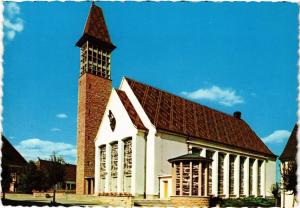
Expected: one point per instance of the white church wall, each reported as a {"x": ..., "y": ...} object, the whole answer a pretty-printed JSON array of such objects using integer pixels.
[
  {"x": 271, "y": 176},
  {"x": 124, "y": 128}
]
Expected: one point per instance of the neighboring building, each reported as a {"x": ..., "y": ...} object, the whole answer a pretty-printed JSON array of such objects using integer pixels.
[
  {"x": 12, "y": 159},
  {"x": 287, "y": 157},
  {"x": 148, "y": 142},
  {"x": 70, "y": 174}
]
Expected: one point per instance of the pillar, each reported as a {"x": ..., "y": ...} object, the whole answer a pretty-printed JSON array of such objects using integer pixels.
[
  {"x": 174, "y": 167},
  {"x": 120, "y": 166},
  {"x": 226, "y": 175},
  {"x": 206, "y": 180},
  {"x": 97, "y": 170},
  {"x": 203, "y": 153},
  {"x": 237, "y": 176},
  {"x": 215, "y": 164},
  {"x": 200, "y": 179},
  {"x": 108, "y": 168},
  {"x": 246, "y": 174},
  {"x": 263, "y": 178},
  {"x": 255, "y": 177}
]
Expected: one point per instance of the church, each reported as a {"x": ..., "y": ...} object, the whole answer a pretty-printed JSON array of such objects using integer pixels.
[{"x": 145, "y": 142}]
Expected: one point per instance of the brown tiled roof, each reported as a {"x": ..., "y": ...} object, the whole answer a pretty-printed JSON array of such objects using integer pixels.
[
  {"x": 95, "y": 28},
  {"x": 10, "y": 156},
  {"x": 130, "y": 110},
  {"x": 174, "y": 114},
  {"x": 290, "y": 150}
]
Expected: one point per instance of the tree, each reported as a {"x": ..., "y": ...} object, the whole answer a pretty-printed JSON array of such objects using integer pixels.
[
  {"x": 289, "y": 178},
  {"x": 33, "y": 179},
  {"x": 55, "y": 172},
  {"x": 275, "y": 190},
  {"x": 6, "y": 179}
]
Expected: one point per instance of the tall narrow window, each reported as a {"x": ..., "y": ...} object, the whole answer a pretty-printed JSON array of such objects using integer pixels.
[
  {"x": 259, "y": 191},
  {"x": 102, "y": 160},
  {"x": 114, "y": 159},
  {"x": 209, "y": 154},
  {"x": 231, "y": 174},
  {"x": 221, "y": 174},
  {"x": 251, "y": 163},
  {"x": 127, "y": 156},
  {"x": 195, "y": 179},
  {"x": 178, "y": 179},
  {"x": 242, "y": 165},
  {"x": 186, "y": 177}
]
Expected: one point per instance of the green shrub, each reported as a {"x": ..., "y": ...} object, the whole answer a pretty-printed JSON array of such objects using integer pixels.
[{"x": 248, "y": 202}]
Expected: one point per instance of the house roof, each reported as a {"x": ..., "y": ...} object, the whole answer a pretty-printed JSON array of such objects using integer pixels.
[
  {"x": 95, "y": 29},
  {"x": 177, "y": 115},
  {"x": 189, "y": 157},
  {"x": 290, "y": 149},
  {"x": 130, "y": 110},
  {"x": 10, "y": 156}
]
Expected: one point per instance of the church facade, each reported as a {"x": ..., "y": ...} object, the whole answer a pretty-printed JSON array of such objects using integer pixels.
[{"x": 142, "y": 141}]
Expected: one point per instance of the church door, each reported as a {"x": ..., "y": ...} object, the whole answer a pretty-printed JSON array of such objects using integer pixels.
[{"x": 166, "y": 190}]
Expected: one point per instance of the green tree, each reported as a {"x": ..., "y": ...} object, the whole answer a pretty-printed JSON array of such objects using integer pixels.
[
  {"x": 33, "y": 179},
  {"x": 55, "y": 172},
  {"x": 6, "y": 179}
]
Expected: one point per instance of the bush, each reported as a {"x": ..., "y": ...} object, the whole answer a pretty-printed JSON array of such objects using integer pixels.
[{"x": 248, "y": 202}]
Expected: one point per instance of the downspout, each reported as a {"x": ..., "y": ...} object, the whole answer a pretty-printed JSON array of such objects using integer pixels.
[{"x": 145, "y": 163}]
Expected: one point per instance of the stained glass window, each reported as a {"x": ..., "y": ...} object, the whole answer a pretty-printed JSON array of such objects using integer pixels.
[
  {"x": 209, "y": 154},
  {"x": 242, "y": 161},
  {"x": 251, "y": 164},
  {"x": 231, "y": 174},
  {"x": 102, "y": 160},
  {"x": 114, "y": 159},
  {"x": 259, "y": 191},
  {"x": 221, "y": 174},
  {"x": 127, "y": 156}
]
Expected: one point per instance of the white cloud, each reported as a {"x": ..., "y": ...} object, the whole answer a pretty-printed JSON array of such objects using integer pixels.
[
  {"x": 33, "y": 148},
  {"x": 12, "y": 23},
  {"x": 61, "y": 115},
  {"x": 55, "y": 129},
  {"x": 227, "y": 97},
  {"x": 277, "y": 136}
]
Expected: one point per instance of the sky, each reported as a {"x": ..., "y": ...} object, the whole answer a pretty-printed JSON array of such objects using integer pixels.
[{"x": 228, "y": 56}]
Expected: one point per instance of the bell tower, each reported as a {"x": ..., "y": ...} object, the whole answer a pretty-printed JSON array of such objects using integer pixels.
[{"x": 94, "y": 89}]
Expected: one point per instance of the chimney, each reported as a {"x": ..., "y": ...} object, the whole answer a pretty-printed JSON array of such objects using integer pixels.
[{"x": 237, "y": 114}]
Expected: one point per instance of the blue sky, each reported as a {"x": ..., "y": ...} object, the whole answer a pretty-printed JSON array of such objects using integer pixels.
[{"x": 229, "y": 56}]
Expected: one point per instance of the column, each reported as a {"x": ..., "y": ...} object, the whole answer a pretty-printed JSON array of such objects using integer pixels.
[
  {"x": 226, "y": 175},
  {"x": 215, "y": 164},
  {"x": 237, "y": 176},
  {"x": 108, "y": 169},
  {"x": 263, "y": 178},
  {"x": 191, "y": 178},
  {"x": 255, "y": 177},
  {"x": 181, "y": 169},
  {"x": 206, "y": 180},
  {"x": 246, "y": 174},
  {"x": 200, "y": 179},
  {"x": 120, "y": 166}
]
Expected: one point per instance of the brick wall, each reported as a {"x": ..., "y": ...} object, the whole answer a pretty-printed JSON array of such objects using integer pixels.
[{"x": 93, "y": 95}]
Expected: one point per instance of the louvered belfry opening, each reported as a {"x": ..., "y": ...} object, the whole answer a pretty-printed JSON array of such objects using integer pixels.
[{"x": 190, "y": 175}]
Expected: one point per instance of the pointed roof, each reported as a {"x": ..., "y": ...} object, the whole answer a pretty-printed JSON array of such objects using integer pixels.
[
  {"x": 130, "y": 110},
  {"x": 95, "y": 29},
  {"x": 10, "y": 156},
  {"x": 290, "y": 149},
  {"x": 177, "y": 115}
]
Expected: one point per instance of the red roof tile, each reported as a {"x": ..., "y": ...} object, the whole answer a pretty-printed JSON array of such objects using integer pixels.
[
  {"x": 174, "y": 114},
  {"x": 95, "y": 28},
  {"x": 290, "y": 150},
  {"x": 130, "y": 110}
]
